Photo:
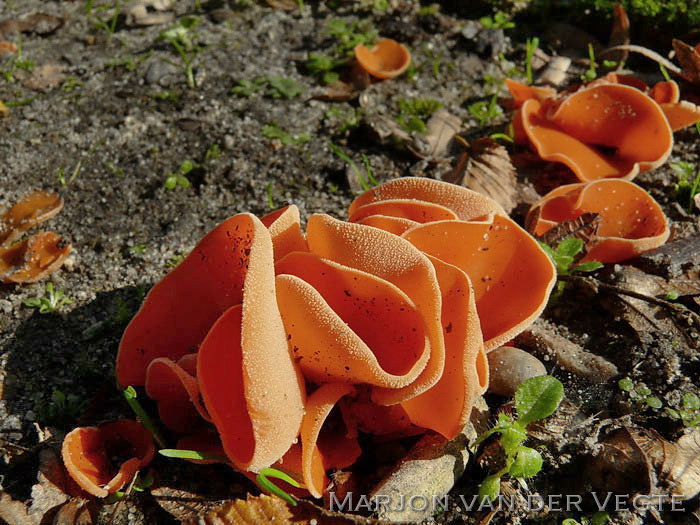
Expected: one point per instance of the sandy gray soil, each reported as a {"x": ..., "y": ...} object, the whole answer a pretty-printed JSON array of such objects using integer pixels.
[{"x": 112, "y": 110}]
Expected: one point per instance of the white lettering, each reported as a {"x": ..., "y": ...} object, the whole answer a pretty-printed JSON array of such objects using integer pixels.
[
  {"x": 412, "y": 502},
  {"x": 468, "y": 506},
  {"x": 553, "y": 502},
  {"x": 677, "y": 499},
  {"x": 363, "y": 503},
  {"x": 381, "y": 502},
  {"x": 571, "y": 505},
  {"x": 597, "y": 501},
  {"x": 340, "y": 506},
  {"x": 440, "y": 503},
  {"x": 531, "y": 499},
  {"x": 621, "y": 501}
]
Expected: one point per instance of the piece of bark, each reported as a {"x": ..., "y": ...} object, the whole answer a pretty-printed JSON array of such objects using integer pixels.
[
  {"x": 428, "y": 472},
  {"x": 673, "y": 259},
  {"x": 689, "y": 59},
  {"x": 442, "y": 127},
  {"x": 541, "y": 339}
]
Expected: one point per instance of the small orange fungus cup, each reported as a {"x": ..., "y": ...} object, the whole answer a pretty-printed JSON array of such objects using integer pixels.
[
  {"x": 631, "y": 221},
  {"x": 386, "y": 59},
  {"x": 105, "y": 458}
]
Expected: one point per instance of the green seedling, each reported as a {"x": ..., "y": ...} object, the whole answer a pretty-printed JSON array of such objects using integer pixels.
[
  {"x": 270, "y": 199},
  {"x": 191, "y": 454},
  {"x": 273, "y": 131},
  {"x": 138, "y": 249},
  {"x": 138, "y": 485},
  {"x": 23, "y": 102},
  {"x": 269, "y": 486},
  {"x": 592, "y": 72},
  {"x": 173, "y": 261},
  {"x": 61, "y": 178},
  {"x": 688, "y": 185},
  {"x": 530, "y": 47},
  {"x": 246, "y": 88},
  {"x": 16, "y": 61},
  {"x": 639, "y": 393},
  {"x": 49, "y": 303},
  {"x": 324, "y": 67},
  {"x": 499, "y": 20},
  {"x": 213, "y": 152},
  {"x": 563, "y": 258},
  {"x": 537, "y": 398},
  {"x": 414, "y": 112},
  {"x": 146, "y": 420},
  {"x": 173, "y": 180},
  {"x": 69, "y": 84},
  {"x": 61, "y": 408},
  {"x": 367, "y": 180},
  {"x": 281, "y": 87},
  {"x": 118, "y": 172},
  {"x": 376, "y": 6},
  {"x": 183, "y": 39},
  {"x": 170, "y": 96},
  {"x": 599, "y": 518},
  {"x": 486, "y": 112},
  {"x": 688, "y": 412},
  {"x": 348, "y": 119},
  {"x": 108, "y": 25},
  {"x": 350, "y": 34},
  {"x": 129, "y": 62}
]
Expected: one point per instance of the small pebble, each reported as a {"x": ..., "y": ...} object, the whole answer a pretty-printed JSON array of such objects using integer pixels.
[{"x": 509, "y": 367}]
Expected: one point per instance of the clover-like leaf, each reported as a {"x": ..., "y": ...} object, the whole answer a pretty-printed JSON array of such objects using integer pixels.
[
  {"x": 490, "y": 488},
  {"x": 588, "y": 266},
  {"x": 537, "y": 398},
  {"x": 569, "y": 246}
]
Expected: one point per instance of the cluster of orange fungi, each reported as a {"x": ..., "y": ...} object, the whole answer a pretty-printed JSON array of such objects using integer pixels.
[
  {"x": 277, "y": 348},
  {"x": 29, "y": 259}
]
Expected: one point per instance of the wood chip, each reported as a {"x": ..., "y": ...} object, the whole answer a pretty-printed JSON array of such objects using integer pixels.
[
  {"x": 442, "y": 127},
  {"x": 674, "y": 259}
]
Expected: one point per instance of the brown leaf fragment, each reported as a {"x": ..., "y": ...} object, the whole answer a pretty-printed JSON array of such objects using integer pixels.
[
  {"x": 542, "y": 339},
  {"x": 489, "y": 171},
  {"x": 620, "y": 34},
  {"x": 33, "y": 209},
  {"x": 33, "y": 259},
  {"x": 336, "y": 92},
  {"x": 689, "y": 59},
  {"x": 39, "y": 23},
  {"x": 271, "y": 509},
  {"x": 622, "y": 466},
  {"x": 149, "y": 12},
  {"x": 77, "y": 512},
  {"x": 46, "y": 77},
  {"x": 52, "y": 478},
  {"x": 584, "y": 227},
  {"x": 184, "y": 505},
  {"x": 677, "y": 464}
]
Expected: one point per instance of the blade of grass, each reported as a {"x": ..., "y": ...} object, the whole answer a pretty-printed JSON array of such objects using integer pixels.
[
  {"x": 191, "y": 454},
  {"x": 270, "y": 487},
  {"x": 146, "y": 421},
  {"x": 344, "y": 156}
]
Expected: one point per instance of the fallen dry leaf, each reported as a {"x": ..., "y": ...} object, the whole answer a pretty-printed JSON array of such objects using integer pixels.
[
  {"x": 39, "y": 23},
  {"x": 78, "y": 512},
  {"x": 442, "y": 127},
  {"x": 689, "y": 59},
  {"x": 14, "y": 512},
  {"x": 584, "y": 227},
  {"x": 46, "y": 77}
]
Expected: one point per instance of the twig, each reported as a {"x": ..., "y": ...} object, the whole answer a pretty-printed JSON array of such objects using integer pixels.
[{"x": 653, "y": 55}]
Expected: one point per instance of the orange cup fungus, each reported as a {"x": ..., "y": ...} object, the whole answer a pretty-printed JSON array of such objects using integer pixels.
[
  {"x": 631, "y": 221},
  {"x": 377, "y": 325},
  {"x": 386, "y": 59},
  {"x": 103, "y": 459},
  {"x": 613, "y": 127}
]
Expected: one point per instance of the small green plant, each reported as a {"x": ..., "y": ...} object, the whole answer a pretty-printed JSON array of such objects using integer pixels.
[
  {"x": 173, "y": 180},
  {"x": 66, "y": 181},
  {"x": 61, "y": 408},
  {"x": 592, "y": 72},
  {"x": 281, "y": 87},
  {"x": 414, "y": 112},
  {"x": 499, "y": 20},
  {"x": 599, "y": 518},
  {"x": 324, "y": 67},
  {"x": 183, "y": 39},
  {"x": 169, "y": 95},
  {"x": 173, "y": 261},
  {"x": 213, "y": 152},
  {"x": 563, "y": 258},
  {"x": 270, "y": 199},
  {"x": 246, "y": 88},
  {"x": 146, "y": 420},
  {"x": 367, "y": 180},
  {"x": 117, "y": 172},
  {"x": 273, "y": 131},
  {"x": 49, "y": 303},
  {"x": 109, "y": 24},
  {"x": 347, "y": 119},
  {"x": 688, "y": 412},
  {"x": 70, "y": 83},
  {"x": 531, "y": 46},
  {"x": 138, "y": 249},
  {"x": 129, "y": 62},
  {"x": 639, "y": 393},
  {"x": 485, "y": 112},
  {"x": 16, "y": 61},
  {"x": 537, "y": 398},
  {"x": 688, "y": 185},
  {"x": 350, "y": 34}
]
